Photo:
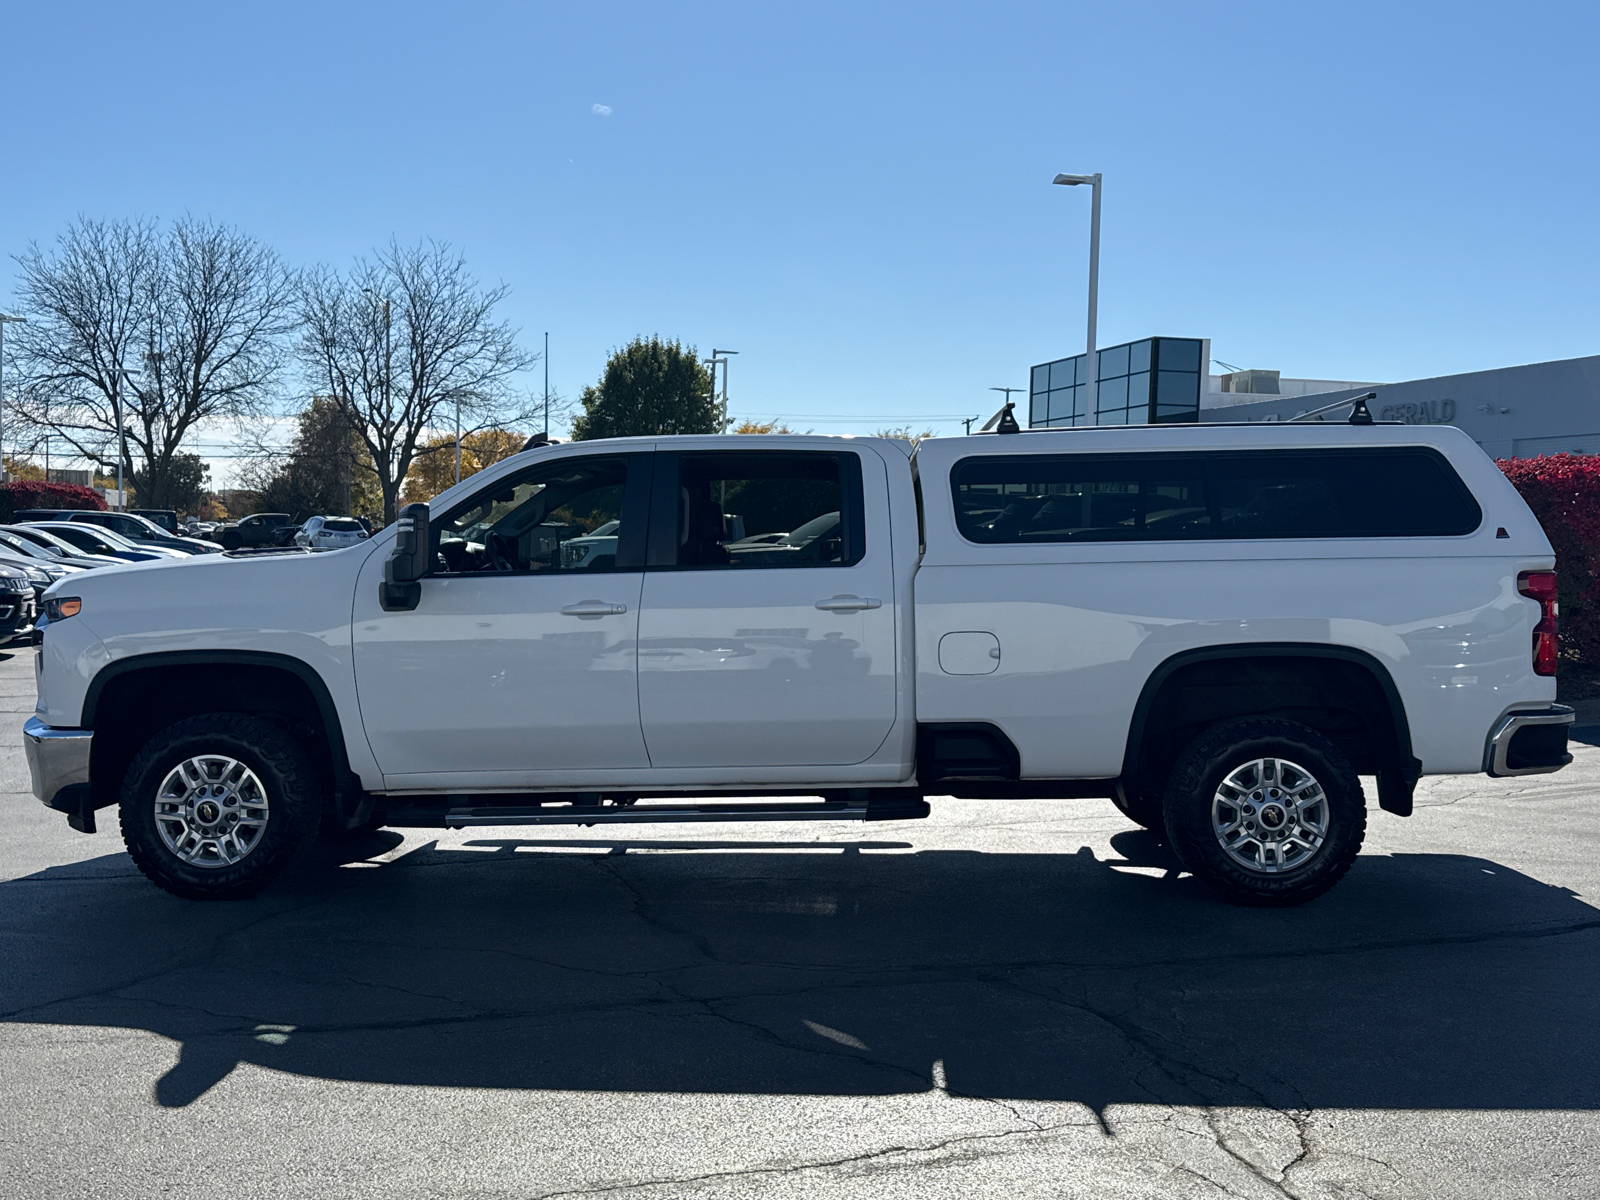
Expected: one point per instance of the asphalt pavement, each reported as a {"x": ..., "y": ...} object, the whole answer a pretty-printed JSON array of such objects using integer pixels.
[{"x": 1013, "y": 999}]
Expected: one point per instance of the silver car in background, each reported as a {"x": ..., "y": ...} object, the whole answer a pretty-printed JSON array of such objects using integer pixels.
[{"x": 330, "y": 533}]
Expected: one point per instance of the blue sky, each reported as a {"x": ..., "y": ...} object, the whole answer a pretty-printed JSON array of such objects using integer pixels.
[{"x": 856, "y": 197}]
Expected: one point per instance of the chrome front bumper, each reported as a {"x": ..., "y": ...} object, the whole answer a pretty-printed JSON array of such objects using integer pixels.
[
  {"x": 1539, "y": 751},
  {"x": 58, "y": 760}
]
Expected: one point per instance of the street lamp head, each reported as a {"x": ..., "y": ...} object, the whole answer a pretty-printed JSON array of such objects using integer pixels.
[{"x": 1074, "y": 180}]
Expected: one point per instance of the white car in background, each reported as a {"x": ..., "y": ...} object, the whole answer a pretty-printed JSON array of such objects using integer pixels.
[
  {"x": 330, "y": 533},
  {"x": 585, "y": 553}
]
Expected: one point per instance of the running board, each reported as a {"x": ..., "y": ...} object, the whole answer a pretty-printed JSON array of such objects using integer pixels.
[{"x": 646, "y": 812}]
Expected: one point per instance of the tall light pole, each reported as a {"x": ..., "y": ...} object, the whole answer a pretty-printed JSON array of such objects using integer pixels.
[
  {"x": 122, "y": 433},
  {"x": 1094, "y": 278},
  {"x": 4, "y": 321},
  {"x": 547, "y": 386}
]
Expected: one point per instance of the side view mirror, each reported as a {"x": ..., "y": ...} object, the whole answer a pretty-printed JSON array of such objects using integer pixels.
[{"x": 401, "y": 589}]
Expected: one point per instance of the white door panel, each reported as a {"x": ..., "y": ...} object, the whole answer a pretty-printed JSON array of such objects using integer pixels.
[
  {"x": 742, "y": 668},
  {"x": 489, "y": 674}
]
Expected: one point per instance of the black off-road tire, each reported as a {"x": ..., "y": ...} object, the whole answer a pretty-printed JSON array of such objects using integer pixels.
[
  {"x": 232, "y": 541},
  {"x": 1213, "y": 758},
  {"x": 294, "y": 804}
]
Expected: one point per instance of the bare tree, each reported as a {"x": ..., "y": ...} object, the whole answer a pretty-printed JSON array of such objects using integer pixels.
[
  {"x": 173, "y": 331},
  {"x": 405, "y": 341}
]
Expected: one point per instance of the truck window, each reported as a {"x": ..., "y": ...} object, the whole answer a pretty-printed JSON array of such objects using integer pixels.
[
  {"x": 759, "y": 510},
  {"x": 561, "y": 516},
  {"x": 1185, "y": 495}
]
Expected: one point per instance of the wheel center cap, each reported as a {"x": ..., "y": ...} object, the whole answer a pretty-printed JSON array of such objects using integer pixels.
[
  {"x": 207, "y": 812},
  {"x": 1273, "y": 816}
]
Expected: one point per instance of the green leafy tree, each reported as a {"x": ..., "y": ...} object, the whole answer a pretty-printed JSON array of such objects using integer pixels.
[
  {"x": 327, "y": 470},
  {"x": 650, "y": 388}
]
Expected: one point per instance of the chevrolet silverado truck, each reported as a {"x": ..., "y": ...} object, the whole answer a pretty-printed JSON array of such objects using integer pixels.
[{"x": 1221, "y": 628}]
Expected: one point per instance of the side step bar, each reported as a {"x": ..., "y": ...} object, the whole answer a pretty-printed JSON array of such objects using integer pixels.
[{"x": 648, "y": 812}]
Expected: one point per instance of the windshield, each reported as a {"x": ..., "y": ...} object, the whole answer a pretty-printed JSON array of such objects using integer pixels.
[
  {"x": 149, "y": 526},
  {"x": 90, "y": 535},
  {"x": 24, "y": 546},
  {"x": 48, "y": 541},
  {"x": 341, "y": 525}
]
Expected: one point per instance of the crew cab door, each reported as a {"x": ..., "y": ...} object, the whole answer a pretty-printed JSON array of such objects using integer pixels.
[
  {"x": 517, "y": 667},
  {"x": 767, "y": 626}
]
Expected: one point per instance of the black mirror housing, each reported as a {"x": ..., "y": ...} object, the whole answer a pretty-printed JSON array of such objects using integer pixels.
[{"x": 401, "y": 589}]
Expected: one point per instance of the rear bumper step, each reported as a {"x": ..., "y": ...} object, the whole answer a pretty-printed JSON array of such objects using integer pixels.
[
  {"x": 1529, "y": 741},
  {"x": 647, "y": 812}
]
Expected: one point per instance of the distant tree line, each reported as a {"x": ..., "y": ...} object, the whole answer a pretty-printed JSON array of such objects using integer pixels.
[{"x": 163, "y": 332}]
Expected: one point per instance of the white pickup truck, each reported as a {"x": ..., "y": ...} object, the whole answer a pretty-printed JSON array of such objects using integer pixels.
[{"x": 1218, "y": 627}]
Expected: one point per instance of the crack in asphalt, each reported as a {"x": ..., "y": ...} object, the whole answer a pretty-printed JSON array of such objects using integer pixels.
[{"x": 870, "y": 1156}]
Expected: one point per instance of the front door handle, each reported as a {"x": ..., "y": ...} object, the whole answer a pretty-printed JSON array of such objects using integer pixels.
[
  {"x": 594, "y": 608},
  {"x": 848, "y": 603}
]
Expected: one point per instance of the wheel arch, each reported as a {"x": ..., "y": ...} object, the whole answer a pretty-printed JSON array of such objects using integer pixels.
[
  {"x": 285, "y": 687},
  {"x": 1383, "y": 747}
]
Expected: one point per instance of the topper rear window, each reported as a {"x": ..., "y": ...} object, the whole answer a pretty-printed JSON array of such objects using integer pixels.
[{"x": 1188, "y": 495}]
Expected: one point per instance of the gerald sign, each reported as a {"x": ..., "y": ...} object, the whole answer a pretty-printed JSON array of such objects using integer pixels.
[{"x": 1426, "y": 412}]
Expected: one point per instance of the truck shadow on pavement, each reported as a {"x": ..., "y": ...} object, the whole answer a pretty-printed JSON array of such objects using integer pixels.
[{"x": 833, "y": 968}]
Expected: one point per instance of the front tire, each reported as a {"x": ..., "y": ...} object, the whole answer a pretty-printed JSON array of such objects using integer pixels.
[
  {"x": 214, "y": 807},
  {"x": 1266, "y": 812}
]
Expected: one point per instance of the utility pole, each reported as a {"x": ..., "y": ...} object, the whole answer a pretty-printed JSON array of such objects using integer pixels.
[
  {"x": 719, "y": 356},
  {"x": 122, "y": 432},
  {"x": 387, "y": 357},
  {"x": 344, "y": 458},
  {"x": 4, "y": 321}
]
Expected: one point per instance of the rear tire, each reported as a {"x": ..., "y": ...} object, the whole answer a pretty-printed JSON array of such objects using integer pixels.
[
  {"x": 1266, "y": 812},
  {"x": 214, "y": 807}
]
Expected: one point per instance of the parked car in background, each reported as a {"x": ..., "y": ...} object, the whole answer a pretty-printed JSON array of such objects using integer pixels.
[
  {"x": 330, "y": 533},
  {"x": 42, "y": 514},
  {"x": 17, "y": 604},
  {"x": 258, "y": 529},
  {"x": 164, "y": 517},
  {"x": 63, "y": 549},
  {"x": 93, "y": 540},
  {"x": 40, "y": 575},
  {"x": 17, "y": 544},
  {"x": 598, "y": 551},
  {"x": 142, "y": 531}
]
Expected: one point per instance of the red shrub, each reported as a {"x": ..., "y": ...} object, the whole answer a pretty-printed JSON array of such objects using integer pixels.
[
  {"x": 1564, "y": 492},
  {"x": 32, "y": 493}
]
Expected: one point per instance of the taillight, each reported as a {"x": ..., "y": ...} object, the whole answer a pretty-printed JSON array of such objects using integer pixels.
[{"x": 1541, "y": 586}]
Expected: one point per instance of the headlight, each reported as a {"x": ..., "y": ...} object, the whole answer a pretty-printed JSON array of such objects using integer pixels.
[
  {"x": 59, "y": 608},
  {"x": 38, "y": 574}
]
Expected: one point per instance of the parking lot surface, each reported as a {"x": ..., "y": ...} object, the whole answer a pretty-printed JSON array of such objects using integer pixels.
[{"x": 1011, "y": 999}]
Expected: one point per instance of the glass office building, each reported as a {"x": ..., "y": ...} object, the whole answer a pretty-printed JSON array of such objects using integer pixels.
[{"x": 1152, "y": 382}]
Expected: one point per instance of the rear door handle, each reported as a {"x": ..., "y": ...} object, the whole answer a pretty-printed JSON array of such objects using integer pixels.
[
  {"x": 848, "y": 603},
  {"x": 594, "y": 608}
]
